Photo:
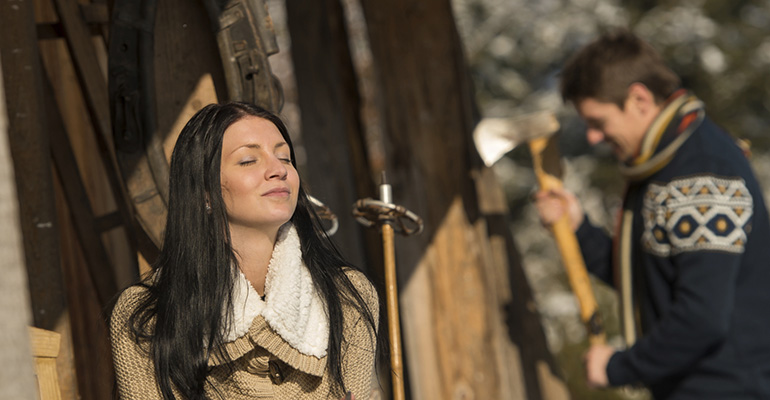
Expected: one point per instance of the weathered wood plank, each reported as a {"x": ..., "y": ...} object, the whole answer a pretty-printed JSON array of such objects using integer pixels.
[
  {"x": 338, "y": 171},
  {"x": 92, "y": 78},
  {"x": 45, "y": 348},
  {"x": 29, "y": 143},
  {"x": 98, "y": 262},
  {"x": 94, "y": 87},
  {"x": 16, "y": 370},
  {"x": 85, "y": 368},
  {"x": 452, "y": 302},
  {"x": 188, "y": 70},
  {"x": 87, "y": 329}
]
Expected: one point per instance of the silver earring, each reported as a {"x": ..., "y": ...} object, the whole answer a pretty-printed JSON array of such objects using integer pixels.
[{"x": 208, "y": 208}]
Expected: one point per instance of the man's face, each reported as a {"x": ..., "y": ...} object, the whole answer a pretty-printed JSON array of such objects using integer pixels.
[{"x": 622, "y": 129}]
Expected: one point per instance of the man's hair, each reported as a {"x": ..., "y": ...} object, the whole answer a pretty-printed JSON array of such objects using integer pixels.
[{"x": 604, "y": 69}]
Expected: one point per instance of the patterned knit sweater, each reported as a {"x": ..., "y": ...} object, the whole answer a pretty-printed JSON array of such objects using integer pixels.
[
  {"x": 699, "y": 278},
  {"x": 277, "y": 346}
]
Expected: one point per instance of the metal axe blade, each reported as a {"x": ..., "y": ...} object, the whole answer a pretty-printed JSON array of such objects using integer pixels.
[{"x": 496, "y": 136}]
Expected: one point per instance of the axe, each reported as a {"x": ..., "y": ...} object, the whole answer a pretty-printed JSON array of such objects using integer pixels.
[{"x": 496, "y": 136}]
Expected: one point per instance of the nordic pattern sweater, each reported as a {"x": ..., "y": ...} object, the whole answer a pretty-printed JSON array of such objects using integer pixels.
[{"x": 701, "y": 264}]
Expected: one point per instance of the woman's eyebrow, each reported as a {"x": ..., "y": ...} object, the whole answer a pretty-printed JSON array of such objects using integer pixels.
[
  {"x": 247, "y": 145},
  {"x": 257, "y": 147}
]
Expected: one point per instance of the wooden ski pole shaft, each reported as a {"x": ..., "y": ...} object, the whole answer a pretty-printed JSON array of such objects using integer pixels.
[
  {"x": 391, "y": 296},
  {"x": 569, "y": 249},
  {"x": 392, "y": 219}
]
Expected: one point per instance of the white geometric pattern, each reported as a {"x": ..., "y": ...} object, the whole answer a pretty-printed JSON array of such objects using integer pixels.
[{"x": 697, "y": 213}]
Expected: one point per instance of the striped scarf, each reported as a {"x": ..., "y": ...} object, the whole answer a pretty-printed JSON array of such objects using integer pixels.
[{"x": 681, "y": 115}]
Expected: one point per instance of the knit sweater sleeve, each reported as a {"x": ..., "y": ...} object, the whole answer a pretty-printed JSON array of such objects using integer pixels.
[
  {"x": 359, "y": 349},
  {"x": 596, "y": 246},
  {"x": 134, "y": 369},
  {"x": 699, "y": 226}
]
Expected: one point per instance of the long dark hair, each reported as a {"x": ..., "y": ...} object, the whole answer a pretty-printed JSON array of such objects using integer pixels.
[{"x": 197, "y": 267}]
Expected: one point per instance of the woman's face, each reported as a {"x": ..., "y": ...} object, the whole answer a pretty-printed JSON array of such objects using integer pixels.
[{"x": 259, "y": 183}]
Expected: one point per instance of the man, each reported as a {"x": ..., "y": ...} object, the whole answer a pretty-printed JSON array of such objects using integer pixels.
[{"x": 691, "y": 254}]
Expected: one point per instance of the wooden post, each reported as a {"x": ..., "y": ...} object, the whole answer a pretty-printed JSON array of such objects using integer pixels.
[
  {"x": 91, "y": 187},
  {"x": 93, "y": 87},
  {"x": 28, "y": 138},
  {"x": 329, "y": 104},
  {"x": 16, "y": 373},
  {"x": 29, "y": 144}
]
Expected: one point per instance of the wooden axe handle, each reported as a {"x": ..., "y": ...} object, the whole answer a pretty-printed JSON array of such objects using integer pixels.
[{"x": 569, "y": 249}]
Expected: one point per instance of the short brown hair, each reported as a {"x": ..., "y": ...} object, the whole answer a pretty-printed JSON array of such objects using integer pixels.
[{"x": 604, "y": 69}]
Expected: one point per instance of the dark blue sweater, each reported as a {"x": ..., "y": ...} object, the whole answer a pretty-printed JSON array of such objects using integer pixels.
[{"x": 701, "y": 260}]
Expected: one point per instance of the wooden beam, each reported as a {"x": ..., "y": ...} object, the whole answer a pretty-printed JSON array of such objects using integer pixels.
[
  {"x": 86, "y": 225},
  {"x": 329, "y": 105},
  {"x": 29, "y": 142},
  {"x": 54, "y": 30},
  {"x": 91, "y": 77},
  {"x": 16, "y": 370},
  {"x": 94, "y": 87},
  {"x": 95, "y": 13}
]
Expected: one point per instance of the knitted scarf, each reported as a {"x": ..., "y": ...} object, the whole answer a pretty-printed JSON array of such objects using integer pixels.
[{"x": 680, "y": 116}]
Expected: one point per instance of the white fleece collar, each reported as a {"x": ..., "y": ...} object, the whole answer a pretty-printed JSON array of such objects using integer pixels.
[{"x": 292, "y": 307}]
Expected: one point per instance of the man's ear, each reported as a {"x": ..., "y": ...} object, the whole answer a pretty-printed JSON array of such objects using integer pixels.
[{"x": 642, "y": 99}]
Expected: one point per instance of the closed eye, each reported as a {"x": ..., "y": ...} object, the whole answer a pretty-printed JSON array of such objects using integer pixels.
[{"x": 247, "y": 162}]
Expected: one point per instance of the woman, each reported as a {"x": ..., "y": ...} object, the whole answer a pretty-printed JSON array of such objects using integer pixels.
[{"x": 249, "y": 298}]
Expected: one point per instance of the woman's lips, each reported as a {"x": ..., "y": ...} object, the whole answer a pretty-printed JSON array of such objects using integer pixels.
[{"x": 277, "y": 192}]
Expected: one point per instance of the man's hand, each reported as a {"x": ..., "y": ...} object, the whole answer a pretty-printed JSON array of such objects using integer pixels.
[
  {"x": 596, "y": 360},
  {"x": 552, "y": 204}
]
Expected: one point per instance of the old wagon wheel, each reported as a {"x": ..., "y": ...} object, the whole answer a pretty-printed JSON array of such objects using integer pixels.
[{"x": 244, "y": 37}]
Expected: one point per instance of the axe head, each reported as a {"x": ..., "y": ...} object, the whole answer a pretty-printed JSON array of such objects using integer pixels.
[{"x": 496, "y": 136}]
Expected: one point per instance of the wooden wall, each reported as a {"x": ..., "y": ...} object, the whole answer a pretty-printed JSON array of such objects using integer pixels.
[
  {"x": 469, "y": 329},
  {"x": 16, "y": 373}
]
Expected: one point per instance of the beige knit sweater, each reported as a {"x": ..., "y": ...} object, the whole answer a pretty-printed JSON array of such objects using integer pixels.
[{"x": 266, "y": 364}]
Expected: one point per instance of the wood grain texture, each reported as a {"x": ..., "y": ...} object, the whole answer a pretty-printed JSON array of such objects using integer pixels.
[
  {"x": 337, "y": 170},
  {"x": 45, "y": 349},
  {"x": 16, "y": 367},
  {"x": 459, "y": 276}
]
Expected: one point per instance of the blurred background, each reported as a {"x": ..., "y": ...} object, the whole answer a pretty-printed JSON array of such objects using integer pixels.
[{"x": 515, "y": 49}]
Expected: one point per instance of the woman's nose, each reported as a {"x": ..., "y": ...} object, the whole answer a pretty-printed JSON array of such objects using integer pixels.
[{"x": 275, "y": 169}]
